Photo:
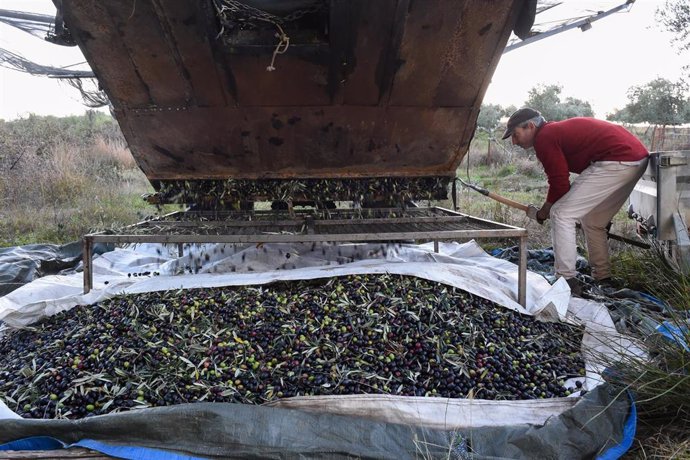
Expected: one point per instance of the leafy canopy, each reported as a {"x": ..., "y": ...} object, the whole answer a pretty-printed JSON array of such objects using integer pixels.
[
  {"x": 675, "y": 17},
  {"x": 490, "y": 117},
  {"x": 547, "y": 99},
  {"x": 659, "y": 102}
]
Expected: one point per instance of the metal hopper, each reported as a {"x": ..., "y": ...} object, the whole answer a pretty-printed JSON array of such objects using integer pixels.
[{"x": 218, "y": 90}]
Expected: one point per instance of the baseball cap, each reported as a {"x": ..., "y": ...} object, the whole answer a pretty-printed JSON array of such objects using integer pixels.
[{"x": 517, "y": 118}]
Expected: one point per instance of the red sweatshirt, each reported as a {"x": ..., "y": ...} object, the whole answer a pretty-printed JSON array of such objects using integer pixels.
[{"x": 572, "y": 145}]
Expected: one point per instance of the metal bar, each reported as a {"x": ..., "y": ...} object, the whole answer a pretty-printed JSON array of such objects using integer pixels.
[
  {"x": 404, "y": 220},
  {"x": 309, "y": 224},
  {"x": 477, "y": 219},
  {"x": 584, "y": 24},
  {"x": 35, "y": 17},
  {"x": 630, "y": 241},
  {"x": 667, "y": 196},
  {"x": 293, "y": 238},
  {"x": 454, "y": 192},
  {"x": 522, "y": 272},
  {"x": 622, "y": 239},
  {"x": 217, "y": 223},
  {"x": 294, "y": 225},
  {"x": 682, "y": 242},
  {"x": 86, "y": 260},
  {"x": 309, "y": 230}
]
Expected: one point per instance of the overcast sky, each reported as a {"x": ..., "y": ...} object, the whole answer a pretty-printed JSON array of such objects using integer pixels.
[{"x": 598, "y": 66}]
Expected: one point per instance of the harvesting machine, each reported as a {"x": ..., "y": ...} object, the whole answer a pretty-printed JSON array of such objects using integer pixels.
[
  {"x": 236, "y": 94},
  {"x": 225, "y": 103}
]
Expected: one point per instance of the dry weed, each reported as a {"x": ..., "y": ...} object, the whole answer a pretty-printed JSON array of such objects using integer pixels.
[
  {"x": 65, "y": 190},
  {"x": 114, "y": 152},
  {"x": 659, "y": 444}
]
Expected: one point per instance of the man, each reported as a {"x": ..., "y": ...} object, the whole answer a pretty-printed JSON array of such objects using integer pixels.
[{"x": 609, "y": 161}]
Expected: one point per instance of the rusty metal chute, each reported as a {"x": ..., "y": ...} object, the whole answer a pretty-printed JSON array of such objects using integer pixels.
[{"x": 382, "y": 88}]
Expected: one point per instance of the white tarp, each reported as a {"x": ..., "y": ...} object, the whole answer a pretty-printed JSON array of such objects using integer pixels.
[
  {"x": 436, "y": 413},
  {"x": 465, "y": 266}
]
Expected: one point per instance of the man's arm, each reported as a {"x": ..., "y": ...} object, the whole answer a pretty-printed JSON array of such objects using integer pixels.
[{"x": 550, "y": 155}]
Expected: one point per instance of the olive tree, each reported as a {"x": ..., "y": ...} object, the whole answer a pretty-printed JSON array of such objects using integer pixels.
[
  {"x": 547, "y": 99},
  {"x": 490, "y": 117},
  {"x": 674, "y": 15},
  {"x": 660, "y": 102}
]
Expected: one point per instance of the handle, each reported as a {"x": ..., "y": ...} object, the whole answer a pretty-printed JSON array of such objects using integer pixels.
[
  {"x": 508, "y": 201},
  {"x": 492, "y": 195}
]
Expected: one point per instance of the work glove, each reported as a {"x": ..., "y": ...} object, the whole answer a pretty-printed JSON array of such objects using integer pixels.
[{"x": 532, "y": 213}]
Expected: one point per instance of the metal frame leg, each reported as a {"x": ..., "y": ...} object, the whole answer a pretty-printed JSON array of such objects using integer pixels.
[
  {"x": 436, "y": 246},
  {"x": 682, "y": 246},
  {"x": 86, "y": 260},
  {"x": 522, "y": 272}
]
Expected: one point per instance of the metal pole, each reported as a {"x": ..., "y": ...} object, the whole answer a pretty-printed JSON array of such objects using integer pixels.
[
  {"x": 180, "y": 250},
  {"x": 682, "y": 246},
  {"x": 583, "y": 24},
  {"x": 86, "y": 259},
  {"x": 522, "y": 272},
  {"x": 436, "y": 246},
  {"x": 488, "y": 152}
]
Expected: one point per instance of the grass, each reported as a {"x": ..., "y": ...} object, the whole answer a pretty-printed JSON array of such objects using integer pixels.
[
  {"x": 67, "y": 190},
  {"x": 654, "y": 272},
  {"x": 661, "y": 383},
  {"x": 659, "y": 445}
]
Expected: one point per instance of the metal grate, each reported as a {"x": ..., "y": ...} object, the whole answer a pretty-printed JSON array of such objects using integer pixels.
[
  {"x": 304, "y": 213},
  {"x": 415, "y": 224}
]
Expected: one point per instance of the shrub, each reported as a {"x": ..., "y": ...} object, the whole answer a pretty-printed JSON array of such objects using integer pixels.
[
  {"x": 488, "y": 152},
  {"x": 528, "y": 166},
  {"x": 61, "y": 178},
  {"x": 506, "y": 170}
]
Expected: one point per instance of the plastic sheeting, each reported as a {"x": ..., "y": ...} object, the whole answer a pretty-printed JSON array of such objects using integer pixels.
[
  {"x": 465, "y": 266},
  {"x": 598, "y": 424},
  {"x": 146, "y": 268},
  {"x": 20, "y": 265}
]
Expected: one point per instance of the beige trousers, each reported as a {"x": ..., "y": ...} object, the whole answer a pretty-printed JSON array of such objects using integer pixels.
[{"x": 595, "y": 196}]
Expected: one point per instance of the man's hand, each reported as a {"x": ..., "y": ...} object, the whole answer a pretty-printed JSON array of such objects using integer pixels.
[{"x": 533, "y": 213}]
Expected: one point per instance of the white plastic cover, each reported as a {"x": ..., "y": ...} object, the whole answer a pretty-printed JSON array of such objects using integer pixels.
[{"x": 465, "y": 266}]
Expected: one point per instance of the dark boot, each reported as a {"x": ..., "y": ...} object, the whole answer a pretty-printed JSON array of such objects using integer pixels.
[
  {"x": 575, "y": 287},
  {"x": 608, "y": 283}
]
